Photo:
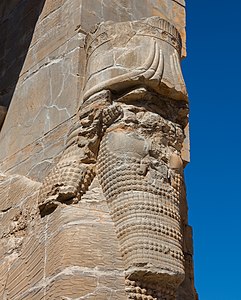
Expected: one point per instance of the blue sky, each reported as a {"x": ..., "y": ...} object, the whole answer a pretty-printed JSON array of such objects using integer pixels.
[{"x": 212, "y": 72}]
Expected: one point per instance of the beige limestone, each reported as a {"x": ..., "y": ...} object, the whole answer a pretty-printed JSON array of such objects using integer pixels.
[
  {"x": 52, "y": 32},
  {"x": 71, "y": 253},
  {"x": 46, "y": 102},
  {"x": 130, "y": 131},
  {"x": 145, "y": 52},
  {"x": 36, "y": 159},
  {"x": 84, "y": 166}
]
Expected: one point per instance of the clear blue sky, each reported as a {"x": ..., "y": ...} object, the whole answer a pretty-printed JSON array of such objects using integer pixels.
[{"x": 212, "y": 73}]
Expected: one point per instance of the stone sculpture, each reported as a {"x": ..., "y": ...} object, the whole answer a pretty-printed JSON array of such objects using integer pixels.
[{"x": 129, "y": 131}]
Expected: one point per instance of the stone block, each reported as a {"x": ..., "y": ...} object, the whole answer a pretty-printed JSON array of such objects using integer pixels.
[
  {"x": 27, "y": 271},
  {"x": 39, "y": 105},
  {"x": 18, "y": 196},
  {"x": 75, "y": 250},
  {"x": 71, "y": 253},
  {"x": 36, "y": 159},
  {"x": 3, "y": 275},
  {"x": 96, "y": 11},
  {"x": 14, "y": 190},
  {"x": 55, "y": 53},
  {"x": 17, "y": 28},
  {"x": 50, "y": 6},
  {"x": 56, "y": 25},
  {"x": 71, "y": 286},
  {"x": 82, "y": 236}
]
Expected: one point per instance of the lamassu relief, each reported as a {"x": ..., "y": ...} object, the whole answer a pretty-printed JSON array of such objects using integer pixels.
[{"x": 123, "y": 160}]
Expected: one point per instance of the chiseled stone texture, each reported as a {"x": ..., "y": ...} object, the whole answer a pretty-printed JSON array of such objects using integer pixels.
[
  {"x": 95, "y": 11},
  {"x": 44, "y": 97},
  {"x": 18, "y": 210},
  {"x": 48, "y": 40},
  {"x": 46, "y": 92},
  {"x": 36, "y": 159},
  {"x": 72, "y": 253},
  {"x": 186, "y": 290}
]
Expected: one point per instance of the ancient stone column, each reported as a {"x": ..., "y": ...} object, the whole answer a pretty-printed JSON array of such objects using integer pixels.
[
  {"x": 107, "y": 217},
  {"x": 130, "y": 133}
]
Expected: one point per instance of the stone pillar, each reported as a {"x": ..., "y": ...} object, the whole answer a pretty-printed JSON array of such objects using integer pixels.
[{"x": 93, "y": 148}]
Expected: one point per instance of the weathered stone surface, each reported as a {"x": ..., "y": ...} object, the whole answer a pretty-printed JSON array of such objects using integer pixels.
[
  {"x": 98, "y": 119},
  {"x": 96, "y": 11},
  {"x": 17, "y": 26},
  {"x": 187, "y": 290},
  {"x": 47, "y": 50},
  {"x": 36, "y": 159},
  {"x": 55, "y": 27},
  {"x": 133, "y": 128},
  {"x": 48, "y": 102},
  {"x": 70, "y": 253},
  {"x": 145, "y": 52},
  {"x": 83, "y": 259}
]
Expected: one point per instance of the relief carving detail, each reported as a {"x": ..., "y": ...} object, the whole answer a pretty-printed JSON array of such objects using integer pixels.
[{"x": 129, "y": 132}]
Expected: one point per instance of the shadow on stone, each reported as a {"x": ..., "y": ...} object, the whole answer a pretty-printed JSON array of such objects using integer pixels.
[{"x": 18, "y": 19}]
